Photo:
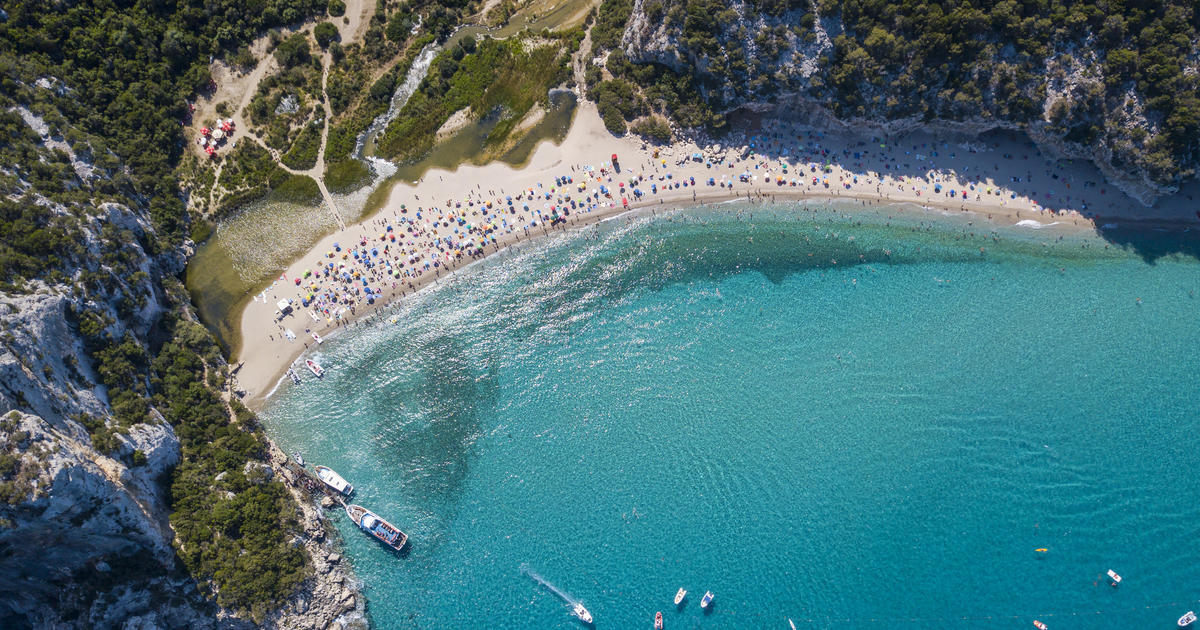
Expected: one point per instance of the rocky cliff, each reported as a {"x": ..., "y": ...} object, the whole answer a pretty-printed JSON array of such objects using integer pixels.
[
  {"x": 1119, "y": 86},
  {"x": 89, "y": 445}
]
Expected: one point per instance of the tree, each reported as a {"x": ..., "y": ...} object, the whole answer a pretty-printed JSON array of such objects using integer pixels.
[
  {"x": 613, "y": 120},
  {"x": 293, "y": 51},
  {"x": 325, "y": 33}
]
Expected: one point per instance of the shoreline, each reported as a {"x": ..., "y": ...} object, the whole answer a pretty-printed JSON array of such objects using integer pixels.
[{"x": 266, "y": 356}]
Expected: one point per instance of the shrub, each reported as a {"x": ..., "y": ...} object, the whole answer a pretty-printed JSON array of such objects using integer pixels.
[
  {"x": 325, "y": 33},
  {"x": 346, "y": 176},
  {"x": 613, "y": 120},
  {"x": 654, "y": 128},
  {"x": 303, "y": 154},
  {"x": 293, "y": 51},
  {"x": 299, "y": 189}
]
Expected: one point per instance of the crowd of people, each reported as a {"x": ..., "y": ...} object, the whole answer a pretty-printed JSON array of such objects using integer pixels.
[{"x": 392, "y": 252}]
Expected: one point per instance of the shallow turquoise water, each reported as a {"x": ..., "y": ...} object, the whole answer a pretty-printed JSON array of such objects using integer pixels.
[{"x": 709, "y": 400}]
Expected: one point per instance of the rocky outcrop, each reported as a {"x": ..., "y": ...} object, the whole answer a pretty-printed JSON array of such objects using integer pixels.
[
  {"x": 85, "y": 533},
  {"x": 40, "y": 368},
  {"x": 84, "y": 539},
  {"x": 331, "y": 598},
  {"x": 813, "y": 112},
  {"x": 759, "y": 61}
]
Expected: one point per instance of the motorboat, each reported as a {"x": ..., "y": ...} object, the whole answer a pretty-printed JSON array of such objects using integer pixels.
[
  {"x": 1187, "y": 619},
  {"x": 579, "y": 611},
  {"x": 292, "y": 375},
  {"x": 371, "y": 523},
  {"x": 317, "y": 337},
  {"x": 1112, "y": 575},
  {"x": 707, "y": 600},
  {"x": 791, "y": 624},
  {"x": 315, "y": 368},
  {"x": 679, "y": 595},
  {"x": 658, "y": 625},
  {"x": 1039, "y": 625},
  {"x": 334, "y": 480},
  {"x": 299, "y": 458}
]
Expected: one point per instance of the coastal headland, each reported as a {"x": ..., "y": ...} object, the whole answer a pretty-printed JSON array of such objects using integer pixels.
[{"x": 450, "y": 219}]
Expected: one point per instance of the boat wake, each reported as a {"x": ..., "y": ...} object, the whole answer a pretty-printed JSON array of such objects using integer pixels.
[{"x": 554, "y": 589}]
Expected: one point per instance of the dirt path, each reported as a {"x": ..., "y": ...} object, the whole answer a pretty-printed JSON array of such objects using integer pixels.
[
  {"x": 239, "y": 90},
  {"x": 233, "y": 88},
  {"x": 354, "y": 25}
]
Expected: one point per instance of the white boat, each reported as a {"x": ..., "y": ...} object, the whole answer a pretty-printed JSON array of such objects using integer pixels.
[
  {"x": 371, "y": 523},
  {"x": 1112, "y": 575},
  {"x": 707, "y": 600},
  {"x": 334, "y": 480},
  {"x": 579, "y": 611},
  {"x": 299, "y": 458},
  {"x": 1187, "y": 619},
  {"x": 679, "y": 595},
  {"x": 295, "y": 377},
  {"x": 317, "y": 337},
  {"x": 315, "y": 368},
  {"x": 791, "y": 624}
]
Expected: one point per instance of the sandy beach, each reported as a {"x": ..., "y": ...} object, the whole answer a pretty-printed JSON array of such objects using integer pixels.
[{"x": 448, "y": 220}]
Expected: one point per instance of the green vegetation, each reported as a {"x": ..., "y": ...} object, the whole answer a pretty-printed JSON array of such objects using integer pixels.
[
  {"x": 654, "y": 127},
  {"x": 298, "y": 189},
  {"x": 951, "y": 60},
  {"x": 610, "y": 23},
  {"x": 441, "y": 17},
  {"x": 33, "y": 242},
  {"x": 639, "y": 89},
  {"x": 133, "y": 95},
  {"x": 346, "y": 95},
  {"x": 507, "y": 76},
  {"x": 289, "y": 101},
  {"x": 93, "y": 100},
  {"x": 17, "y": 473},
  {"x": 346, "y": 176},
  {"x": 325, "y": 33},
  {"x": 293, "y": 51},
  {"x": 303, "y": 154},
  {"x": 249, "y": 174},
  {"x": 233, "y": 529}
]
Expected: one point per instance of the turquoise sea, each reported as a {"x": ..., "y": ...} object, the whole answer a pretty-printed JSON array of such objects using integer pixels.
[{"x": 854, "y": 420}]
